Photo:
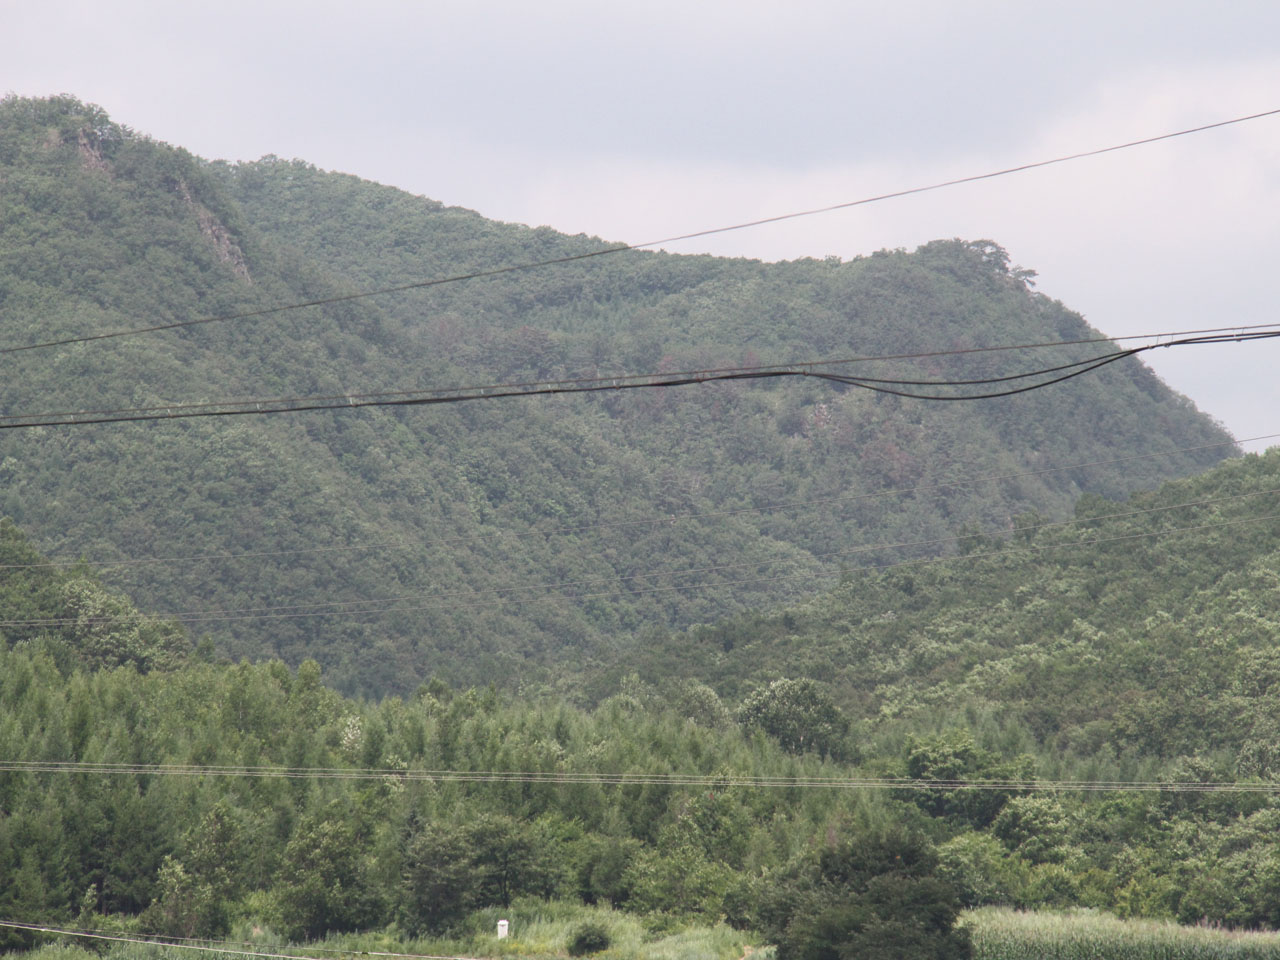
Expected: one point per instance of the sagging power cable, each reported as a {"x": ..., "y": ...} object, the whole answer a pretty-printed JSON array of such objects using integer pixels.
[{"x": 438, "y": 396}]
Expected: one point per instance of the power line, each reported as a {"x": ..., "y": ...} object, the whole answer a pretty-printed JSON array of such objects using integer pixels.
[
  {"x": 168, "y": 940},
  {"x": 962, "y": 180},
  {"x": 1162, "y": 339},
  {"x": 620, "y": 248},
  {"x": 188, "y": 617},
  {"x": 450, "y": 395},
  {"x": 205, "y": 946},
  {"x": 724, "y": 781},
  {"x": 648, "y": 521}
]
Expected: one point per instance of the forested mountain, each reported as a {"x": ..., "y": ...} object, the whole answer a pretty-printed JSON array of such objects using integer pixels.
[
  {"x": 391, "y": 545},
  {"x": 1135, "y": 644},
  {"x": 1147, "y": 628}
]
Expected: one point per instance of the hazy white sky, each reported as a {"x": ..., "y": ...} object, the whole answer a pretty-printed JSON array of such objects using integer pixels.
[{"x": 634, "y": 121}]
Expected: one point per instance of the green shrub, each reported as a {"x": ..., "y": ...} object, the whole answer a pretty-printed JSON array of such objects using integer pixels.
[{"x": 587, "y": 939}]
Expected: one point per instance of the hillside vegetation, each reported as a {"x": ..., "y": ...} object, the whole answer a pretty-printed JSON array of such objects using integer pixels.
[
  {"x": 72, "y": 619},
  {"x": 438, "y": 539},
  {"x": 1147, "y": 627},
  {"x": 434, "y": 814}
]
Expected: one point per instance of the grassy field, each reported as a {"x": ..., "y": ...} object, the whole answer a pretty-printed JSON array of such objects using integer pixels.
[
  {"x": 538, "y": 930},
  {"x": 541, "y": 931},
  {"x": 1000, "y": 934}
]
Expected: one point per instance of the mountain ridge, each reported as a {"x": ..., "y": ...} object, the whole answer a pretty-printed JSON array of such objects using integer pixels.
[{"x": 105, "y": 229}]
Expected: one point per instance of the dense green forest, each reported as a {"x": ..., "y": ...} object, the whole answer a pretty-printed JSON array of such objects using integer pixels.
[
  {"x": 1144, "y": 627},
  {"x": 671, "y": 673},
  {"x": 460, "y": 541},
  {"x": 1137, "y": 645}
]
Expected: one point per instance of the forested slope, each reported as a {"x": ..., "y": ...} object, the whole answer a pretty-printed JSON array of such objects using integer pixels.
[
  {"x": 1136, "y": 645},
  {"x": 431, "y": 814},
  {"x": 394, "y": 545},
  {"x": 1143, "y": 628}
]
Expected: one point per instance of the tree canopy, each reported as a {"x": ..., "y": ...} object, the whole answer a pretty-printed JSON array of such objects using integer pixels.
[{"x": 523, "y": 535}]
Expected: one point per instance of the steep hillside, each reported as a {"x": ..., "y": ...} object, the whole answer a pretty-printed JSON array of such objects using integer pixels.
[
  {"x": 394, "y": 545},
  {"x": 1143, "y": 628}
]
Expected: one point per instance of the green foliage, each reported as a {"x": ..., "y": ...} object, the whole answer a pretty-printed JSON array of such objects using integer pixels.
[
  {"x": 1141, "y": 629},
  {"x": 540, "y": 931},
  {"x": 1118, "y": 647},
  {"x": 467, "y": 505},
  {"x": 186, "y": 907},
  {"x": 451, "y": 869},
  {"x": 68, "y": 614},
  {"x": 188, "y": 856},
  {"x": 439, "y": 884},
  {"x": 681, "y": 880},
  {"x": 953, "y": 758},
  {"x": 867, "y": 896},
  {"x": 981, "y": 870},
  {"x": 602, "y": 869},
  {"x": 191, "y": 856},
  {"x": 1035, "y": 828},
  {"x": 799, "y": 714},
  {"x": 323, "y": 881},
  {"x": 587, "y": 939}
]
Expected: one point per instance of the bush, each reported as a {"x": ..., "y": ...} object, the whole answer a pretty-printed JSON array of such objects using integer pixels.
[
  {"x": 867, "y": 896},
  {"x": 588, "y": 938}
]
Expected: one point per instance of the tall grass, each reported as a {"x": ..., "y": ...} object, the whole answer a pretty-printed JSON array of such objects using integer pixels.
[
  {"x": 1000, "y": 934},
  {"x": 539, "y": 930},
  {"x": 542, "y": 930}
]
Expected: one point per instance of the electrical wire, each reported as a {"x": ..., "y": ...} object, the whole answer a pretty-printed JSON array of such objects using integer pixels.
[
  {"x": 206, "y": 946},
  {"x": 168, "y": 940},
  {"x": 1081, "y": 367},
  {"x": 935, "y": 486},
  {"x": 188, "y": 617},
  {"x": 620, "y": 248},
  {"x": 450, "y": 395},
  {"x": 721, "y": 781},
  {"x": 808, "y": 364}
]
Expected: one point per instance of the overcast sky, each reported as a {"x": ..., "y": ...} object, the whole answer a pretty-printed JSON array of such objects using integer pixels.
[{"x": 642, "y": 120}]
